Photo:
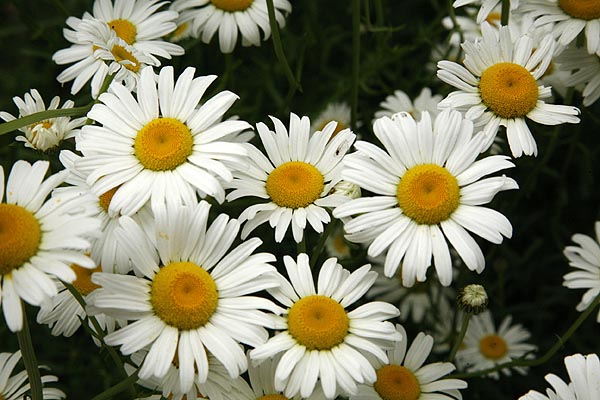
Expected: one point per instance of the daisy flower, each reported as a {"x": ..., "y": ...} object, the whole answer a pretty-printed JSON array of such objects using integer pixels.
[
  {"x": 186, "y": 10},
  {"x": 262, "y": 386},
  {"x": 585, "y": 258},
  {"x": 427, "y": 188},
  {"x": 47, "y": 134},
  {"x": 568, "y": 18},
  {"x": 218, "y": 384},
  {"x": 190, "y": 295},
  {"x": 16, "y": 386},
  {"x": 486, "y": 7},
  {"x": 296, "y": 179},
  {"x": 484, "y": 346},
  {"x": 338, "y": 112},
  {"x": 584, "y": 372},
  {"x": 320, "y": 340},
  {"x": 106, "y": 248},
  {"x": 336, "y": 245},
  {"x": 405, "y": 377},
  {"x": 249, "y": 17},
  {"x": 499, "y": 87},
  {"x": 399, "y": 101},
  {"x": 159, "y": 147},
  {"x": 35, "y": 242},
  {"x": 98, "y": 52},
  {"x": 583, "y": 73}
]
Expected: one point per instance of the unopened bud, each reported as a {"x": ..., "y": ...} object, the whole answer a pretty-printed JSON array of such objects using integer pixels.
[{"x": 473, "y": 299}]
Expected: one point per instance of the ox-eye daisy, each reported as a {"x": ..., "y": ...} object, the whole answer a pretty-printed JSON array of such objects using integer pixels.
[
  {"x": 484, "y": 346},
  {"x": 499, "y": 87},
  {"x": 487, "y": 7},
  {"x": 321, "y": 340},
  {"x": 338, "y": 112},
  {"x": 584, "y": 372},
  {"x": 405, "y": 377},
  {"x": 399, "y": 101},
  {"x": 15, "y": 387},
  {"x": 190, "y": 295},
  {"x": 249, "y": 17},
  {"x": 47, "y": 134},
  {"x": 428, "y": 188},
  {"x": 568, "y": 18},
  {"x": 38, "y": 239},
  {"x": 296, "y": 179},
  {"x": 583, "y": 72},
  {"x": 159, "y": 147},
  {"x": 585, "y": 258}
]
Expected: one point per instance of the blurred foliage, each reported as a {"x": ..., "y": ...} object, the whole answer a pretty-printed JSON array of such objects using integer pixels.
[{"x": 557, "y": 196}]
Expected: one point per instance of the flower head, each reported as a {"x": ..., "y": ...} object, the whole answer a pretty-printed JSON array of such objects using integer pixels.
[
  {"x": 13, "y": 387},
  {"x": 320, "y": 339},
  {"x": 427, "y": 188},
  {"x": 499, "y": 87}
]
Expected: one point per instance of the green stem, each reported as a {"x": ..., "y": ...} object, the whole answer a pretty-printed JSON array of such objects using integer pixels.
[
  {"x": 505, "y": 12},
  {"x": 118, "y": 388},
  {"x": 461, "y": 335},
  {"x": 301, "y": 247},
  {"x": 543, "y": 359},
  {"x": 28, "y": 355},
  {"x": 355, "y": 61},
  {"x": 294, "y": 85},
  {"x": 43, "y": 115},
  {"x": 321, "y": 243}
]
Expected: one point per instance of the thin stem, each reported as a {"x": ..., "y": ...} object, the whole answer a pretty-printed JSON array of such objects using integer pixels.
[
  {"x": 505, "y": 12},
  {"x": 321, "y": 243},
  {"x": 355, "y": 60},
  {"x": 461, "y": 335},
  {"x": 118, "y": 388},
  {"x": 301, "y": 247},
  {"x": 547, "y": 356},
  {"x": 294, "y": 85},
  {"x": 43, "y": 115},
  {"x": 28, "y": 354}
]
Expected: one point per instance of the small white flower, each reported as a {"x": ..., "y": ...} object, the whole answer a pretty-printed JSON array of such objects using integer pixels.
[
  {"x": 13, "y": 387},
  {"x": 400, "y": 102}
]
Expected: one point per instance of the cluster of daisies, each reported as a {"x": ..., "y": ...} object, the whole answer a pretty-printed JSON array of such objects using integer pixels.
[{"x": 130, "y": 237}]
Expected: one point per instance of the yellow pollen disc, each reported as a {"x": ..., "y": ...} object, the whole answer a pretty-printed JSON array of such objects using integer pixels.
[
  {"x": 163, "y": 144},
  {"x": 184, "y": 295},
  {"x": 508, "y": 89},
  {"x": 124, "y": 29},
  {"x": 295, "y": 184},
  {"x": 395, "y": 382},
  {"x": 232, "y": 5},
  {"x": 104, "y": 199},
  {"x": 428, "y": 194},
  {"x": 582, "y": 9},
  {"x": 179, "y": 30},
  {"x": 20, "y": 236},
  {"x": 493, "y": 346},
  {"x": 273, "y": 397},
  {"x": 318, "y": 322},
  {"x": 83, "y": 282},
  {"x": 121, "y": 54}
]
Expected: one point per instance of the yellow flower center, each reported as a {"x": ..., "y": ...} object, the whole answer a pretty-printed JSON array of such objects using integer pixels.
[
  {"x": 295, "y": 184},
  {"x": 493, "y": 346},
  {"x": 318, "y": 322},
  {"x": 124, "y": 29},
  {"x": 232, "y": 5},
  {"x": 273, "y": 397},
  {"x": 83, "y": 281},
  {"x": 184, "y": 295},
  {"x": 395, "y": 382},
  {"x": 20, "y": 236},
  {"x": 509, "y": 90},
  {"x": 104, "y": 199},
  {"x": 163, "y": 144},
  {"x": 428, "y": 194},
  {"x": 180, "y": 30},
  {"x": 122, "y": 54},
  {"x": 582, "y": 9}
]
